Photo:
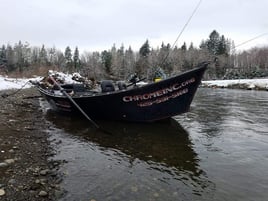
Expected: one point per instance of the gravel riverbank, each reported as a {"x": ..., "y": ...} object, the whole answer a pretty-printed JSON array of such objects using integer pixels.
[{"x": 26, "y": 171}]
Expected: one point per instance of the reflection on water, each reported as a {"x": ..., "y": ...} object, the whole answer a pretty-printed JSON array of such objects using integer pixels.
[{"x": 136, "y": 162}]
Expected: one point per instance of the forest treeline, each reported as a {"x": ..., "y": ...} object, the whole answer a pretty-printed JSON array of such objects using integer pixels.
[{"x": 119, "y": 63}]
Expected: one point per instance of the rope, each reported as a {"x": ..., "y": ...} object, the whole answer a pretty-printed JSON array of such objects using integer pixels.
[
  {"x": 243, "y": 43},
  {"x": 5, "y": 95}
]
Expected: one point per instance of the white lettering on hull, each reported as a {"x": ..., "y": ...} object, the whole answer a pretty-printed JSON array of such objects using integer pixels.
[{"x": 162, "y": 95}]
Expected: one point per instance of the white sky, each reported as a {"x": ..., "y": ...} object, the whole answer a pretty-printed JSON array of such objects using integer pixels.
[{"x": 98, "y": 24}]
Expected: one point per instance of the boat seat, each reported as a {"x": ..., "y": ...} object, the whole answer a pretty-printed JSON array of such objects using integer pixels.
[
  {"x": 74, "y": 87},
  {"x": 121, "y": 85},
  {"x": 107, "y": 86}
]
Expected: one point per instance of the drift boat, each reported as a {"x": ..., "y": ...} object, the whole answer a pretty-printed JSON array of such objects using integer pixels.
[{"x": 146, "y": 103}]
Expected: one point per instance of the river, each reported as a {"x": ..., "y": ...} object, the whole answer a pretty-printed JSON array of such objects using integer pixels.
[{"x": 217, "y": 151}]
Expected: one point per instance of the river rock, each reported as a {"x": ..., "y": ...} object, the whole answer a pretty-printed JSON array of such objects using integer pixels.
[
  {"x": 3, "y": 165},
  {"x": 9, "y": 161},
  {"x": 12, "y": 181},
  {"x": 134, "y": 188},
  {"x": 11, "y": 151},
  {"x": 43, "y": 194},
  {"x": 2, "y": 192},
  {"x": 44, "y": 172}
]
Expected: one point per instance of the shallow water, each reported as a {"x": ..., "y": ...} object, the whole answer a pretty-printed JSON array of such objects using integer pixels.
[{"x": 217, "y": 151}]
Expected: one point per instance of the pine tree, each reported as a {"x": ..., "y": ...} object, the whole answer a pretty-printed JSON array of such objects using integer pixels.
[
  {"x": 76, "y": 59},
  {"x": 11, "y": 61},
  {"x": 3, "y": 58},
  {"x": 121, "y": 62},
  {"x": 143, "y": 63},
  {"x": 216, "y": 44},
  {"x": 52, "y": 56},
  {"x": 106, "y": 58},
  {"x": 191, "y": 47},
  {"x": 184, "y": 47},
  {"x": 43, "y": 56},
  {"x": 213, "y": 42},
  {"x": 145, "y": 49},
  {"x": 68, "y": 57},
  {"x": 130, "y": 61}
]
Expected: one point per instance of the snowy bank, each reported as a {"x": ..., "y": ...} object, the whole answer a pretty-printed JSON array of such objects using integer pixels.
[
  {"x": 12, "y": 83},
  {"x": 16, "y": 83},
  {"x": 256, "y": 84}
]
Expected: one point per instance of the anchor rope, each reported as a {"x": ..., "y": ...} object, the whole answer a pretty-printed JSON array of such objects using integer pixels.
[{"x": 5, "y": 95}]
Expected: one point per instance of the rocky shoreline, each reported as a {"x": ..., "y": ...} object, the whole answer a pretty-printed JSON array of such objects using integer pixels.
[{"x": 27, "y": 171}]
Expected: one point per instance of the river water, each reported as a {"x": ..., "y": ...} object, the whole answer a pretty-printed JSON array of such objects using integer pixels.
[{"x": 217, "y": 151}]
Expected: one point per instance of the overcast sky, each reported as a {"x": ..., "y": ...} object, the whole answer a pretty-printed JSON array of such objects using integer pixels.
[{"x": 98, "y": 24}]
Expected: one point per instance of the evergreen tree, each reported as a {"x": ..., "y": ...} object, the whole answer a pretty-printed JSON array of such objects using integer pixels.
[
  {"x": 52, "y": 56},
  {"x": 213, "y": 42},
  {"x": 191, "y": 47},
  {"x": 223, "y": 46},
  {"x": 3, "y": 58},
  {"x": 145, "y": 49},
  {"x": 60, "y": 59},
  {"x": 130, "y": 61},
  {"x": 216, "y": 44},
  {"x": 203, "y": 45},
  {"x": 106, "y": 58},
  {"x": 121, "y": 62},
  {"x": 10, "y": 55},
  {"x": 143, "y": 63},
  {"x": 184, "y": 47},
  {"x": 43, "y": 56},
  {"x": 35, "y": 56},
  {"x": 164, "y": 59},
  {"x": 18, "y": 56},
  {"x": 68, "y": 57},
  {"x": 76, "y": 59}
]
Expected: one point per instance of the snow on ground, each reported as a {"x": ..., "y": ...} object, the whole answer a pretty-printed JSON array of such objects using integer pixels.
[
  {"x": 13, "y": 83},
  {"x": 261, "y": 84},
  {"x": 17, "y": 83}
]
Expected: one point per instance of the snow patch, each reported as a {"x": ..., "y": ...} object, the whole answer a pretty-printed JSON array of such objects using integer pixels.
[{"x": 241, "y": 83}]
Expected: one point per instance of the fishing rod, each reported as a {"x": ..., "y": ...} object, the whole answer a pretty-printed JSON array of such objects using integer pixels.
[
  {"x": 247, "y": 41},
  {"x": 182, "y": 30}
]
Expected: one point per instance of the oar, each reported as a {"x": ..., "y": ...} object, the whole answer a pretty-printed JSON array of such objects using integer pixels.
[{"x": 75, "y": 104}]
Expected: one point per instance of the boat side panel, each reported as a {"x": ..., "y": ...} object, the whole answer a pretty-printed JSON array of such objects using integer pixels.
[{"x": 152, "y": 102}]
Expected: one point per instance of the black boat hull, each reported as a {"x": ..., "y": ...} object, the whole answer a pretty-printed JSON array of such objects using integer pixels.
[{"x": 148, "y": 103}]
